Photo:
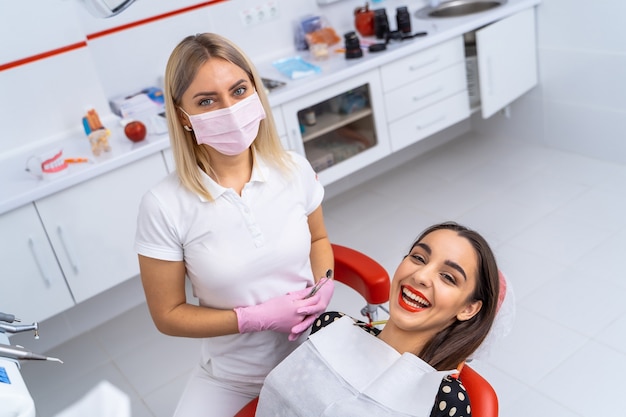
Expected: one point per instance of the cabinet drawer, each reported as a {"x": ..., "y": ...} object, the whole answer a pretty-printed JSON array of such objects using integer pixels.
[
  {"x": 417, "y": 126},
  {"x": 422, "y": 63},
  {"x": 429, "y": 90}
]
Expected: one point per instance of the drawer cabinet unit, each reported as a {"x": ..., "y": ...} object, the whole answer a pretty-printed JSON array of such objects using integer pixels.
[{"x": 425, "y": 93}]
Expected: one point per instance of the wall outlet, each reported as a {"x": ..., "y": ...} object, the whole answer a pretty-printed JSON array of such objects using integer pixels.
[
  {"x": 248, "y": 17},
  {"x": 271, "y": 10},
  {"x": 259, "y": 14}
]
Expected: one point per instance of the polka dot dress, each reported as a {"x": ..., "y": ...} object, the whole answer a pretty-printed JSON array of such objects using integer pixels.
[{"x": 451, "y": 399}]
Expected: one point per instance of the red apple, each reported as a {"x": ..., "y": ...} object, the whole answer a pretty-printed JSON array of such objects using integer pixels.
[{"x": 135, "y": 131}]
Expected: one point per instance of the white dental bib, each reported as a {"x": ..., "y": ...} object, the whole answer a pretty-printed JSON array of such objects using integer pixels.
[{"x": 344, "y": 371}]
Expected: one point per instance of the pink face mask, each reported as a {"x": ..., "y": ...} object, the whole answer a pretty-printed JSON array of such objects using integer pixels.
[{"x": 232, "y": 130}]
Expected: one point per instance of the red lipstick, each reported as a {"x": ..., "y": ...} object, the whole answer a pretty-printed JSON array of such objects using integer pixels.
[{"x": 412, "y": 300}]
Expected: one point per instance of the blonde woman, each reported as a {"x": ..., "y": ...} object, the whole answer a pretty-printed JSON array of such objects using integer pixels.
[{"x": 241, "y": 218}]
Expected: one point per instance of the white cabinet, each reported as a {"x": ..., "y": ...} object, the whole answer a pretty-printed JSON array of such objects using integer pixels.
[
  {"x": 91, "y": 226},
  {"x": 279, "y": 122},
  {"x": 507, "y": 60},
  {"x": 425, "y": 93},
  {"x": 33, "y": 286},
  {"x": 341, "y": 128},
  {"x": 168, "y": 155}
]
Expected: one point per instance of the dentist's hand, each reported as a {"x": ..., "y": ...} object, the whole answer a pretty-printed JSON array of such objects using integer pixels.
[
  {"x": 278, "y": 313},
  {"x": 321, "y": 300}
]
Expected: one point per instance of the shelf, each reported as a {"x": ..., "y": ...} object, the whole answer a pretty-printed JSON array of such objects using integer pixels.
[{"x": 327, "y": 122}]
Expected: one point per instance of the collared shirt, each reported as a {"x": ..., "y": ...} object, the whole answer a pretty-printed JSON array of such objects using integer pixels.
[{"x": 238, "y": 251}]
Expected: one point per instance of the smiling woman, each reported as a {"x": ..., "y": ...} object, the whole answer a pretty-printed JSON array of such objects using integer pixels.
[
  {"x": 443, "y": 301},
  {"x": 452, "y": 272}
]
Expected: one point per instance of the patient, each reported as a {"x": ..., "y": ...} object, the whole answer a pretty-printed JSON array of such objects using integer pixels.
[{"x": 443, "y": 301}]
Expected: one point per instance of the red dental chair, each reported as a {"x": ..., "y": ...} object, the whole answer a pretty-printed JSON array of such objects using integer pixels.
[{"x": 369, "y": 278}]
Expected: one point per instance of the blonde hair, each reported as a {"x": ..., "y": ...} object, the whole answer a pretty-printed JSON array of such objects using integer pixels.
[{"x": 185, "y": 60}]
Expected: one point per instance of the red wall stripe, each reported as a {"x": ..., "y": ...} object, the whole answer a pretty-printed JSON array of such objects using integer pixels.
[
  {"x": 63, "y": 49},
  {"x": 151, "y": 19},
  {"x": 43, "y": 55}
]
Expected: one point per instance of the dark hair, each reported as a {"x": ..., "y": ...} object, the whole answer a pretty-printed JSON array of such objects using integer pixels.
[{"x": 454, "y": 344}]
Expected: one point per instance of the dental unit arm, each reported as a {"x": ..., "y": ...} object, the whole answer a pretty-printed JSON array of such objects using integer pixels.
[{"x": 15, "y": 399}]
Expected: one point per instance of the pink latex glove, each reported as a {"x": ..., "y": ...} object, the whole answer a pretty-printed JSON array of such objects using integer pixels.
[
  {"x": 278, "y": 313},
  {"x": 312, "y": 311}
]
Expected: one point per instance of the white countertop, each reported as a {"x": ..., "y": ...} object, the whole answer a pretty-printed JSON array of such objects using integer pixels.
[
  {"x": 18, "y": 187},
  {"x": 337, "y": 68}
]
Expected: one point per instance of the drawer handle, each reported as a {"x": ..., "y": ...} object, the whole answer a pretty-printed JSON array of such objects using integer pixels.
[
  {"x": 431, "y": 123},
  {"x": 40, "y": 266},
  {"x": 69, "y": 250},
  {"x": 430, "y": 93},
  {"x": 424, "y": 64}
]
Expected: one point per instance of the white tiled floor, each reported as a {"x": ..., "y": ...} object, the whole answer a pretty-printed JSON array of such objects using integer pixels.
[{"x": 556, "y": 222}]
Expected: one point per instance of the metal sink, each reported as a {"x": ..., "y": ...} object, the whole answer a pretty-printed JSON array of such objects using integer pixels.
[{"x": 457, "y": 8}]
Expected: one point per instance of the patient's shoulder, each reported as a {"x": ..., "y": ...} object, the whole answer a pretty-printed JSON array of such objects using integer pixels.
[
  {"x": 325, "y": 319},
  {"x": 451, "y": 399},
  {"x": 329, "y": 317}
]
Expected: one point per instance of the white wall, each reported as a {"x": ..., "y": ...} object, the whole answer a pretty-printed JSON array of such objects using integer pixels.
[
  {"x": 580, "y": 104},
  {"x": 46, "y": 98}
]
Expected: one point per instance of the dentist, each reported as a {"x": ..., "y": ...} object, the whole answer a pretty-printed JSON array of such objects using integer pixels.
[{"x": 241, "y": 218}]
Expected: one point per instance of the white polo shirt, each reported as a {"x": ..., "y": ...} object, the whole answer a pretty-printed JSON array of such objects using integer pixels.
[{"x": 238, "y": 251}]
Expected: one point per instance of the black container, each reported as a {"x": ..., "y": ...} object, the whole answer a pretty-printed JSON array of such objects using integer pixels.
[
  {"x": 403, "y": 19},
  {"x": 353, "y": 45},
  {"x": 381, "y": 23}
]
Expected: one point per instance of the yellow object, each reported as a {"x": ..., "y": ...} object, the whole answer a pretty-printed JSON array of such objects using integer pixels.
[
  {"x": 99, "y": 140},
  {"x": 98, "y": 135},
  {"x": 319, "y": 50}
]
